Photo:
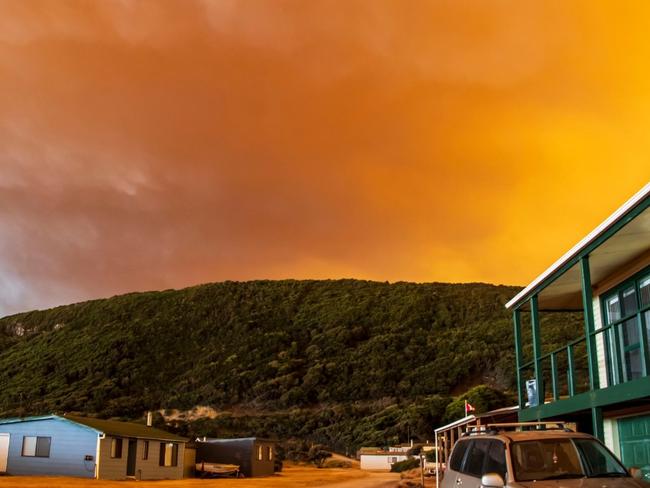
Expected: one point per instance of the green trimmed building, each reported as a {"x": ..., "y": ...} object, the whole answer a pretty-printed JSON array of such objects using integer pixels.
[{"x": 600, "y": 380}]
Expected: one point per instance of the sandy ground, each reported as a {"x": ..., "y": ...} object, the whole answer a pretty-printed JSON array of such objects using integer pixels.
[{"x": 291, "y": 477}]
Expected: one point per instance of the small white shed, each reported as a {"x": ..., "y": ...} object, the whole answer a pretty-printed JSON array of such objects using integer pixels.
[{"x": 380, "y": 460}]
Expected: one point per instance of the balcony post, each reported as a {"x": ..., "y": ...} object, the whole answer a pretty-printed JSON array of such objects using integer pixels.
[
  {"x": 571, "y": 379},
  {"x": 643, "y": 337},
  {"x": 537, "y": 349},
  {"x": 588, "y": 310},
  {"x": 597, "y": 423},
  {"x": 516, "y": 318},
  {"x": 556, "y": 386}
]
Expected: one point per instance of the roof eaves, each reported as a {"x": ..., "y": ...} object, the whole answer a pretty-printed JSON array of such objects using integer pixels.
[
  {"x": 16, "y": 420},
  {"x": 456, "y": 423},
  {"x": 580, "y": 246},
  {"x": 125, "y": 429}
]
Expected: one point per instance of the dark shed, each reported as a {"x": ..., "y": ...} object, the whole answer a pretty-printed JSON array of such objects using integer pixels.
[{"x": 254, "y": 456}]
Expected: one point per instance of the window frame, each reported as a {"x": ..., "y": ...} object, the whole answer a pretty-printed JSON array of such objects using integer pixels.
[
  {"x": 470, "y": 445},
  {"x": 115, "y": 452},
  {"x": 470, "y": 450},
  {"x": 494, "y": 442},
  {"x": 173, "y": 457},
  {"x": 452, "y": 458},
  {"x": 145, "y": 450},
  {"x": 37, "y": 438},
  {"x": 615, "y": 349}
]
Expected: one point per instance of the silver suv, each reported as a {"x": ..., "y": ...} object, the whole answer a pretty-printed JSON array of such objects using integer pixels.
[{"x": 540, "y": 458}]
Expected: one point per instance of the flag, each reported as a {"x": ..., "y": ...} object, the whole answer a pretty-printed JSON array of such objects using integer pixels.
[{"x": 468, "y": 408}]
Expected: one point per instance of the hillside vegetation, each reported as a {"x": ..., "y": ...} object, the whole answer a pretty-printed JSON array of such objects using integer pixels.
[{"x": 319, "y": 359}]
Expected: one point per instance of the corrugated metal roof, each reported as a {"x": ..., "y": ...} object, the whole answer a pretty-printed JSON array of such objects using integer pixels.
[{"x": 118, "y": 428}]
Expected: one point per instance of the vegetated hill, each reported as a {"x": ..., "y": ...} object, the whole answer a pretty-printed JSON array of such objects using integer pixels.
[{"x": 327, "y": 352}]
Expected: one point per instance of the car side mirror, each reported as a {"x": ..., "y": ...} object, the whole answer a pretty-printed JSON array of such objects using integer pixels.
[{"x": 492, "y": 480}]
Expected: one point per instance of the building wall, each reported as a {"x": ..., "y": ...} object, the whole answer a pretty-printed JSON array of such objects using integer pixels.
[
  {"x": 189, "y": 462},
  {"x": 265, "y": 466},
  {"x": 242, "y": 452},
  {"x": 610, "y": 429},
  {"x": 111, "y": 468},
  {"x": 70, "y": 444},
  {"x": 600, "y": 344},
  {"x": 380, "y": 462},
  {"x": 149, "y": 469}
]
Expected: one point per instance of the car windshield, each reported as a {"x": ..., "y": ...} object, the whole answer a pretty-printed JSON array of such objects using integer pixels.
[{"x": 547, "y": 459}]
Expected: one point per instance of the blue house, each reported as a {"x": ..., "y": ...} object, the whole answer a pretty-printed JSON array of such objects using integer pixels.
[{"x": 89, "y": 448}]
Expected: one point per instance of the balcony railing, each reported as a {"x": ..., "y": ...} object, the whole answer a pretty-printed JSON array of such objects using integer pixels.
[{"x": 565, "y": 371}]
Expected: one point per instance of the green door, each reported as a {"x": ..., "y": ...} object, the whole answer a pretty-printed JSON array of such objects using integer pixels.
[{"x": 634, "y": 436}]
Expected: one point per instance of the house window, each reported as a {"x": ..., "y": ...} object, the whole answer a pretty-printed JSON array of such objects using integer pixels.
[
  {"x": 627, "y": 319},
  {"x": 36, "y": 446},
  {"x": 145, "y": 450},
  {"x": 168, "y": 454},
  {"x": 259, "y": 453},
  {"x": 116, "y": 448},
  {"x": 270, "y": 453}
]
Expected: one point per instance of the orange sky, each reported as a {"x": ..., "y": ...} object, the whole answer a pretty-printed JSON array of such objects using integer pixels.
[{"x": 156, "y": 144}]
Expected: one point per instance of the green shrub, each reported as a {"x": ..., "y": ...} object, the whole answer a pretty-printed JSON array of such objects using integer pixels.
[{"x": 405, "y": 465}]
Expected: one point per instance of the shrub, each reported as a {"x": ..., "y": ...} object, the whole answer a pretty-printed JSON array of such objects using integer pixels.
[{"x": 405, "y": 465}]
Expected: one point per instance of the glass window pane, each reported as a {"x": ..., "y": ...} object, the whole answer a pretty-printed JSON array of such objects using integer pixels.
[
  {"x": 613, "y": 309},
  {"x": 169, "y": 453},
  {"x": 633, "y": 364},
  {"x": 116, "y": 447},
  {"x": 457, "y": 456},
  {"x": 629, "y": 301},
  {"x": 545, "y": 459},
  {"x": 630, "y": 332},
  {"x": 29, "y": 446},
  {"x": 644, "y": 286},
  {"x": 161, "y": 454},
  {"x": 495, "y": 461},
  {"x": 43, "y": 447},
  {"x": 597, "y": 460},
  {"x": 476, "y": 458},
  {"x": 174, "y": 455}
]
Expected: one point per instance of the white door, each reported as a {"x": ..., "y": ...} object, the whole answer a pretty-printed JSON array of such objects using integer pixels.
[{"x": 4, "y": 452}]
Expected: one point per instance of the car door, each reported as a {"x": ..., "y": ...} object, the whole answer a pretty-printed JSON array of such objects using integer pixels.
[
  {"x": 472, "y": 469},
  {"x": 495, "y": 459},
  {"x": 453, "y": 473}
]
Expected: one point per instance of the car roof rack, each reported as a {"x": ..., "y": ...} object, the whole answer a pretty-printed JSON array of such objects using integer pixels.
[{"x": 492, "y": 429}]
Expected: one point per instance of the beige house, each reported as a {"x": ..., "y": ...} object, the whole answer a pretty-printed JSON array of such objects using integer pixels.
[{"x": 130, "y": 450}]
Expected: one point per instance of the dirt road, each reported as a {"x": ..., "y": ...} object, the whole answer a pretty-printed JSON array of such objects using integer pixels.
[
  {"x": 372, "y": 480},
  {"x": 291, "y": 477}
]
